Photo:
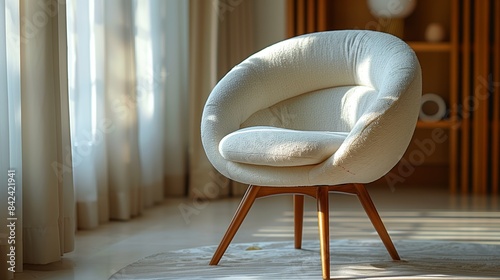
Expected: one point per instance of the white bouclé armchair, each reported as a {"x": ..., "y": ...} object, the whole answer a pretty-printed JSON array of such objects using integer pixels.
[{"x": 322, "y": 112}]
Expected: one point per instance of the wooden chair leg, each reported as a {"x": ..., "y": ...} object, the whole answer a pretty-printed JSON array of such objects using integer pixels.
[
  {"x": 371, "y": 211},
  {"x": 239, "y": 216},
  {"x": 324, "y": 230},
  {"x": 298, "y": 214}
]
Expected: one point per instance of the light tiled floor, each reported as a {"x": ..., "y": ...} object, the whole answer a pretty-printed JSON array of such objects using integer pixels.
[{"x": 408, "y": 213}]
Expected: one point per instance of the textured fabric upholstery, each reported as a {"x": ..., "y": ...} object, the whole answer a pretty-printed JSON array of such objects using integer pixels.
[
  {"x": 364, "y": 84},
  {"x": 273, "y": 146}
]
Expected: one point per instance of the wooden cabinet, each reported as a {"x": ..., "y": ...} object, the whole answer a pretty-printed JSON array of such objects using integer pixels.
[
  {"x": 439, "y": 62},
  {"x": 474, "y": 89},
  {"x": 459, "y": 158},
  {"x": 480, "y": 96},
  {"x": 427, "y": 161}
]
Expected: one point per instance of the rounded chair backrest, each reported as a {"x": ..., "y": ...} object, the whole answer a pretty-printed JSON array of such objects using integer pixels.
[
  {"x": 331, "y": 109},
  {"x": 336, "y": 81}
]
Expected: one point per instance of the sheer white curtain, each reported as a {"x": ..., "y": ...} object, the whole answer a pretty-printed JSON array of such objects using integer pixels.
[
  {"x": 117, "y": 158},
  {"x": 10, "y": 133},
  {"x": 126, "y": 112}
]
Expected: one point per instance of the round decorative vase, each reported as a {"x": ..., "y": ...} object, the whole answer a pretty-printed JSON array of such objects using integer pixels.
[
  {"x": 391, "y": 14},
  {"x": 434, "y": 33}
]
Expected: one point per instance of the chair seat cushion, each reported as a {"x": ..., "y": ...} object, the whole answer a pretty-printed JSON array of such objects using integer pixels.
[{"x": 272, "y": 146}]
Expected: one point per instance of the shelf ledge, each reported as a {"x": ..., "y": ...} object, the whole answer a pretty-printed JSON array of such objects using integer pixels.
[
  {"x": 438, "y": 124},
  {"x": 430, "y": 47}
]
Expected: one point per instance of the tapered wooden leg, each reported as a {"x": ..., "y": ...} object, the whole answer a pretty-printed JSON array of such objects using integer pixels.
[
  {"x": 324, "y": 230},
  {"x": 239, "y": 216},
  {"x": 298, "y": 214},
  {"x": 371, "y": 211}
]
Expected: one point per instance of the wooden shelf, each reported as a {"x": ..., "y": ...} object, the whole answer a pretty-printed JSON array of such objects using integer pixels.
[
  {"x": 438, "y": 124},
  {"x": 430, "y": 47},
  {"x": 440, "y": 63}
]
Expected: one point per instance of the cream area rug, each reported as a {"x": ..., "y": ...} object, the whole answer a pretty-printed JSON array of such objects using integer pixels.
[{"x": 350, "y": 259}]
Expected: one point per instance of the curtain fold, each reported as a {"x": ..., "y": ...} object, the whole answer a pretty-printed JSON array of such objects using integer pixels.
[
  {"x": 10, "y": 137},
  {"x": 150, "y": 98},
  {"x": 221, "y": 35},
  {"x": 48, "y": 219},
  {"x": 127, "y": 112},
  {"x": 121, "y": 110},
  {"x": 89, "y": 125},
  {"x": 175, "y": 71},
  {"x": 203, "y": 34}
]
